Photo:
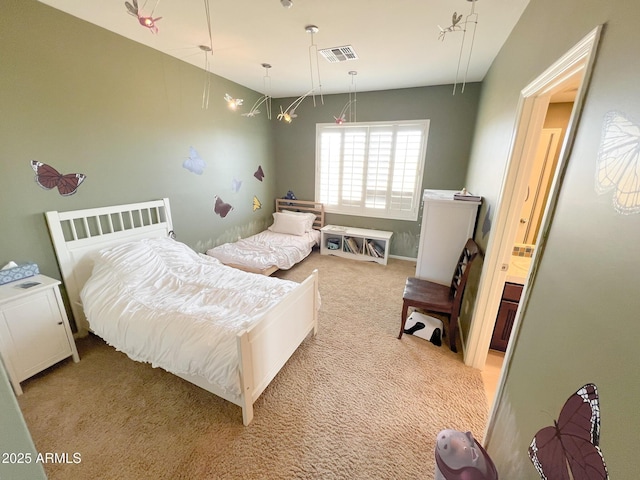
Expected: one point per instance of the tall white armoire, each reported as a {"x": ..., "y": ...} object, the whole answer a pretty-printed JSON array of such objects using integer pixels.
[{"x": 446, "y": 226}]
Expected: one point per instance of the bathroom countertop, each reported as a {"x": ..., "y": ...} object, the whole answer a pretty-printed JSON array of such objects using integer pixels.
[{"x": 518, "y": 269}]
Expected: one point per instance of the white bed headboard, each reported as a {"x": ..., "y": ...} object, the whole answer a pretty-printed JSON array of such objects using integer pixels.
[
  {"x": 79, "y": 233},
  {"x": 305, "y": 206}
]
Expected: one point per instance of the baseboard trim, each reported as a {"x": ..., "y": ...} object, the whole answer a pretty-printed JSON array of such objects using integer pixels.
[{"x": 409, "y": 259}]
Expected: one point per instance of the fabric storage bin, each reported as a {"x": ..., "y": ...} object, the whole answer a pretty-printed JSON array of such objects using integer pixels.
[
  {"x": 18, "y": 273},
  {"x": 333, "y": 243}
]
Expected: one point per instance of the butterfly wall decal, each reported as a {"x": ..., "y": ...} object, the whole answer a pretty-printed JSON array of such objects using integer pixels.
[
  {"x": 618, "y": 162},
  {"x": 259, "y": 174},
  {"x": 256, "y": 204},
  {"x": 572, "y": 442},
  {"x": 48, "y": 177},
  {"x": 220, "y": 207},
  {"x": 194, "y": 163},
  {"x": 235, "y": 185}
]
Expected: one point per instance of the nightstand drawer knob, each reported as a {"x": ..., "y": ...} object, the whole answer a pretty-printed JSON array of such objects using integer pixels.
[{"x": 59, "y": 323}]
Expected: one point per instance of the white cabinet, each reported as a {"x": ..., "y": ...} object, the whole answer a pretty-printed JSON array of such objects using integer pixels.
[
  {"x": 355, "y": 243},
  {"x": 446, "y": 226},
  {"x": 34, "y": 328}
]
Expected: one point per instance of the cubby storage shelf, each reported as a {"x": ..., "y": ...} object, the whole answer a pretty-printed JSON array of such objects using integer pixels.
[{"x": 356, "y": 243}]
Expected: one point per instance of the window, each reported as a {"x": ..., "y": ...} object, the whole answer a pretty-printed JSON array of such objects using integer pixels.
[{"x": 371, "y": 169}]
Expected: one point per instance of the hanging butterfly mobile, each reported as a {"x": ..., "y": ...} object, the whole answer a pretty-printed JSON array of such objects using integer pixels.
[
  {"x": 48, "y": 177},
  {"x": 146, "y": 21},
  {"x": 287, "y": 115},
  {"x": 342, "y": 118},
  {"x": 233, "y": 103},
  {"x": 455, "y": 25},
  {"x": 266, "y": 99},
  {"x": 572, "y": 441},
  {"x": 350, "y": 106}
]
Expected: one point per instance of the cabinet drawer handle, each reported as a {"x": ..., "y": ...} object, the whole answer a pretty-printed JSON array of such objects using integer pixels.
[{"x": 59, "y": 323}]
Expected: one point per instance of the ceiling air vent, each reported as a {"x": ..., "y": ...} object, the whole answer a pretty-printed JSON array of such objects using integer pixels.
[{"x": 339, "y": 54}]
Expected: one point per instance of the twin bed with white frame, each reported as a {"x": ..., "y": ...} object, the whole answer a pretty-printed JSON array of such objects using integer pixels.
[
  {"x": 263, "y": 347},
  {"x": 289, "y": 240}
]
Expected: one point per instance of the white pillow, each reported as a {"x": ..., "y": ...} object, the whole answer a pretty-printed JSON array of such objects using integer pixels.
[
  {"x": 311, "y": 217},
  {"x": 290, "y": 224}
]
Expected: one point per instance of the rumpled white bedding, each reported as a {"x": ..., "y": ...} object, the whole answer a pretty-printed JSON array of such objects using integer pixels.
[
  {"x": 267, "y": 249},
  {"x": 160, "y": 302}
]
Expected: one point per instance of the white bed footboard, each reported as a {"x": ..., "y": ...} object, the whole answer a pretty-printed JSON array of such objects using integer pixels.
[{"x": 266, "y": 346}]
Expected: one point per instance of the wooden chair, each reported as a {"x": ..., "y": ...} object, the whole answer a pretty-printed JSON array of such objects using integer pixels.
[{"x": 442, "y": 299}]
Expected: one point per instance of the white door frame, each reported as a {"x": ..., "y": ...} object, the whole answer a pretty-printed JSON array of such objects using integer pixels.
[{"x": 531, "y": 110}]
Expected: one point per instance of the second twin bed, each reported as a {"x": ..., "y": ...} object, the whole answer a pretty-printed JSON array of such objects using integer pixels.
[{"x": 289, "y": 240}]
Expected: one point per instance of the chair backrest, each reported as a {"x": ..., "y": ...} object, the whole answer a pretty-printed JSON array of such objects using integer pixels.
[{"x": 461, "y": 274}]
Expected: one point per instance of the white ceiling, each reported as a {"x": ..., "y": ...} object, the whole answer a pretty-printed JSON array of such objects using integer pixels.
[{"x": 396, "y": 40}]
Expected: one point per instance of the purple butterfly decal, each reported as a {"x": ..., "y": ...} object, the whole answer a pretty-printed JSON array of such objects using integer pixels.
[
  {"x": 259, "y": 173},
  {"x": 221, "y": 208},
  {"x": 572, "y": 441},
  {"x": 194, "y": 163},
  {"x": 48, "y": 177}
]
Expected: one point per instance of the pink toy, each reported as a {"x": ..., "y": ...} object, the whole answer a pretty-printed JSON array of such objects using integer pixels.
[{"x": 460, "y": 457}]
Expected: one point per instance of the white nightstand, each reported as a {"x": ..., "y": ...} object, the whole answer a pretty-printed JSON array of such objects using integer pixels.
[{"x": 34, "y": 328}]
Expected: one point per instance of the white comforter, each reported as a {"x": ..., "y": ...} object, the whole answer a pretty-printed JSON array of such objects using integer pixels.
[
  {"x": 267, "y": 249},
  {"x": 160, "y": 302}
]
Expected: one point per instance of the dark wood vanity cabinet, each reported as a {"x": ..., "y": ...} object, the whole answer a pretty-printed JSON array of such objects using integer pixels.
[{"x": 506, "y": 315}]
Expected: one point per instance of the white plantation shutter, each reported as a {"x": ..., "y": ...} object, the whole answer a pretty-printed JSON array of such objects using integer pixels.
[
  {"x": 352, "y": 171},
  {"x": 371, "y": 169},
  {"x": 328, "y": 172}
]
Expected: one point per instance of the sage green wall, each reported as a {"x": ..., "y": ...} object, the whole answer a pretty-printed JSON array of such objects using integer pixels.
[
  {"x": 452, "y": 120},
  {"x": 580, "y": 324},
  {"x": 83, "y": 99}
]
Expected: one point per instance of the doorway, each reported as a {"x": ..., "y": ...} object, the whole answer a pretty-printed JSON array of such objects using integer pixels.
[
  {"x": 543, "y": 167},
  {"x": 570, "y": 73}
]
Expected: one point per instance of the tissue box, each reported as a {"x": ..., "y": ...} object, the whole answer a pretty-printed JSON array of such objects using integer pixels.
[{"x": 18, "y": 273}]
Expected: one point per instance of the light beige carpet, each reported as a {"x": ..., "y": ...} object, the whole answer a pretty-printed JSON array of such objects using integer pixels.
[{"x": 354, "y": 402}]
